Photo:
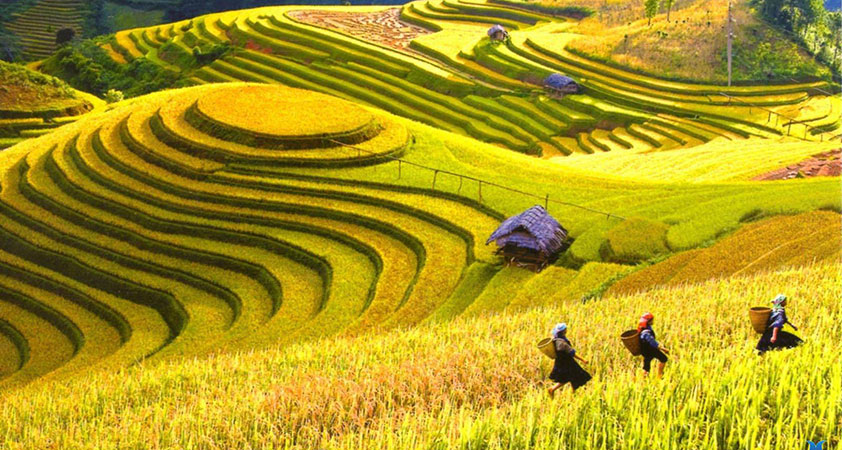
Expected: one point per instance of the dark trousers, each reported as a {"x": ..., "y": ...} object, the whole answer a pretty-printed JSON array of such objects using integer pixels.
[{"x": 649, "y": 353}]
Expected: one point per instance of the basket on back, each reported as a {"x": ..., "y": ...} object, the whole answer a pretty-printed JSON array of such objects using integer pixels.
[
  {"x": 547, "y": 347},
  {"x": 631, "y": 339},
  {"x": 759, "y": 316}
]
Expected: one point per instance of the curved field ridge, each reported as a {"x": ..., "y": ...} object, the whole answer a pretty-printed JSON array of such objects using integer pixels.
[
  {"x": 772, "y": 243},
  {"x": 284, "y": 116},
  {"x": 33, "y": 104},
  {"x": 135, "y": 234},
  {"x": 455, "y": 79}
]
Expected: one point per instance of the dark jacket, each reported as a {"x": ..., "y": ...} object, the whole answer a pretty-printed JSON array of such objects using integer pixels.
[
  {"x": 778, "y": 319},
  {"x": 648, "y": 336},
  {"x": 562, "y": 346}
]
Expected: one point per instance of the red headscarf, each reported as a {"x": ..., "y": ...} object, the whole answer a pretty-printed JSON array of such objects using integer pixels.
[{"x": 644, "y": 321}]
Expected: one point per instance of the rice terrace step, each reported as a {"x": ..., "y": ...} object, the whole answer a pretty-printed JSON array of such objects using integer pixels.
[{"x": 343, "y": 226}]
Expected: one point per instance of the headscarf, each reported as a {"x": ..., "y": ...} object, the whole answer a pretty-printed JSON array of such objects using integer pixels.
[
  {"x": 644, "y": 321},
  {"x": 777, "y": 302},
  {"x": 559, "y": 330}
]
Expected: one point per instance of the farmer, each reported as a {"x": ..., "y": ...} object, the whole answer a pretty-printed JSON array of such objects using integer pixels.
[
  {"x": 566, "y": 369},
  {"x": 775, "y": 337},
  {"x": 649, "y": 347}
]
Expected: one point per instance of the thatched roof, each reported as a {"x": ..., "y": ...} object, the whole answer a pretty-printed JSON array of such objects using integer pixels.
[
  {"x": 534, "y": 229},
  {"x": 495, "y": 29},
  {"x": 558, "y": 81}
]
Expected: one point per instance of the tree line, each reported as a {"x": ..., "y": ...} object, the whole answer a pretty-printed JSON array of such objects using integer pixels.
[{"x": 810, "y": 24}]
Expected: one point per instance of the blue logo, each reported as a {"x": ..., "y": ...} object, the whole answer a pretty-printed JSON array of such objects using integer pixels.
[{"x": 816, "y": 445}]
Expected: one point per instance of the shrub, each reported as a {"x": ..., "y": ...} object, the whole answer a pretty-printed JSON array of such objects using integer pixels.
[
  {"x": 87, "y": 67},
  {"x": 207, "y": 54},
  {"x": 113, "y": 96},
  {"x": 635, "y": 240}
]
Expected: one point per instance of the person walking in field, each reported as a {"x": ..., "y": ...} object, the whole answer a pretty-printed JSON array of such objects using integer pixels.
[
  {"x": 649, "y": 346},
  {"x": 774, "y": 337},
  {"x": 566, "y": 369}
]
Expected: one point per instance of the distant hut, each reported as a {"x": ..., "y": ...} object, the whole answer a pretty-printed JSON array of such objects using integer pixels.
[
  {"x": 498, "y": 33},
  {"x": 559, "y": 84},
  {"x": 531, "y": 239}
]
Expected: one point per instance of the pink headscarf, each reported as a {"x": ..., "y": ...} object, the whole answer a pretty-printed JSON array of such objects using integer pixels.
[{"x": 644, "y": 321}]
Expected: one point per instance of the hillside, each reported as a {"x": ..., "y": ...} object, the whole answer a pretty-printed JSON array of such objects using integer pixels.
[
  {"x": 447, "y": 74},
  {"x": 277, "y": 236},
  {"x": 31, "y": 104},
  {"x": 187, "y": 222},
  {"x": 692, "y": 45},
  {"x": 38, "y": 23},
  {"x": 476, "y": 382}
]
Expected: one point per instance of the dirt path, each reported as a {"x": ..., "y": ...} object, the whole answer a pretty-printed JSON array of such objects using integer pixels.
[
  {"x": 383, "y": 27},
  {"x": 827, "y": 164}
]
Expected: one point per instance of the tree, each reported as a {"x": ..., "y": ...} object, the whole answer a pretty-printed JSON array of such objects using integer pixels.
[
  {"x": 64, "y": 36},
  {"x": 669, "y": 4},
  {"x": 652, "y": 7},
  {"x": 834, "y": 28}
]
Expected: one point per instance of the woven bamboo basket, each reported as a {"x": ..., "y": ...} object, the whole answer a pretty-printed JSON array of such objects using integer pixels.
[
  {"x": 631, "y": 339},
  {"x": 759, "y": 316},
  {"x": 546, "y": 346}
]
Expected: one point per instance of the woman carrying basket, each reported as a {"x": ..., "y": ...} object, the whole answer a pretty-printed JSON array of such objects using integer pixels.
[
  {"x": 566, "y": 369},
  {"x": 649, "y": 347},
  {"x": 774, "y": 337}
]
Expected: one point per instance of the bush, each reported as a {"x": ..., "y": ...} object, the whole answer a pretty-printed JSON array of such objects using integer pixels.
[
  {"x": 635, "y": 240},
  {"x": 113, "y": 96},
  {"x": 205, "y": 55},
  {"x": 87, "y": 67}
]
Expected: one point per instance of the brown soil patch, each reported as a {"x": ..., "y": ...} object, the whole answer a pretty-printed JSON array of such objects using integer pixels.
[
  {"x": 827, "y": 164},
  {"x": 383, "y": 27}
]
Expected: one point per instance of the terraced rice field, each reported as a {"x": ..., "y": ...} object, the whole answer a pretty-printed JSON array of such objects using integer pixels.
[
  {"x": 188, "y": 221},
  {"x": 780, "y": 241},
  {"x": 124, "y": 238},
  {"x": 299, "y": 261},
  {"x": 479, "y": 381},
  {"x": 36, "y": 27},
  {"x": 453, "y": 78},
  {"x": 33, "y": 105}
]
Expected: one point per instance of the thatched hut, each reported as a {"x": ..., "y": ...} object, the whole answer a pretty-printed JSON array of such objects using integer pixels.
[
  {"x": 532, "y": 239},
  {"x": 559, "y": 84},
  {"x": 498, "y": 33}
]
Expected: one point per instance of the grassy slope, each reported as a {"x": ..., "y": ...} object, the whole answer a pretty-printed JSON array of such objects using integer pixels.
[
  {"x": 22, "y": 89},
  {"x": 754, "y": 248},
  {"x": 718, "y": 160},
  {"x": 692, "y": 45},
  {"x": 691, "y": 214},
  {"x": 698, "y": 212},
  {"x": 476, "y": 383}
]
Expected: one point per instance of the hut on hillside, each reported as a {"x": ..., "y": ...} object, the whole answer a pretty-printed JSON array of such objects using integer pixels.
[
  {"x": 559, "y": 84},
  {"x": 498, "y": 33},
  {"x": 532, "y": 239}
]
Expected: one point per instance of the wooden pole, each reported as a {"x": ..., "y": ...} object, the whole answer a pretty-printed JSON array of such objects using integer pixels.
[
  {"x": 461, "y": 179},
  {"x": 730, "y": 37},
  {"x": 435, "y": 175},
  {"x": 546, "y": 201}
]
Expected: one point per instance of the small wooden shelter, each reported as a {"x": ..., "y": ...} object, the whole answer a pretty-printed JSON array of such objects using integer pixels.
[
  {"x": 532, "y": 239},
  {"x": 561, "y": 85},
  {"x": 498, "y": 33}
]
